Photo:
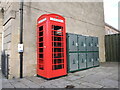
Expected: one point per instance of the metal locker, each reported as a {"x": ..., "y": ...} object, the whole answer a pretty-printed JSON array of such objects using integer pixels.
[
  {"x": 81, "y": 43},
  {"x": 82, "y": 60},
  {"x": 72, "y": 42},
  {"x": 73, "y": 61},
  {"x": 96, "y": 58},
  {"x": 89, "y": 43},
  {"x": 95, "y": 44},
  {"x": 89, "y": 60}
]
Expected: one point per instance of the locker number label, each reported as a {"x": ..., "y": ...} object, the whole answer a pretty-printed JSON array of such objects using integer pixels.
[{"x": 20, "y": 47}]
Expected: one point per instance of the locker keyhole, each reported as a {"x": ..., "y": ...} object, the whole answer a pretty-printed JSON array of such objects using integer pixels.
[
  {"x": 82, "y": 60},
  {"x": 95, "y": 44},
  {"x": 81, "y": 43},
  {"x": 73, "y": 43},
  {"x": 90, "y": 59},
  {"x": 89, "y": 44},
  {"x": 96, "y": 59},
  {"x": 73, "y": 61}
]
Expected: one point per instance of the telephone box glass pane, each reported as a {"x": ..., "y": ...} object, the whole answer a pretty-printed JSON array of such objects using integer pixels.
[
  {"x": 40, "y": 48},
  {"x": 57, "y": 47}
]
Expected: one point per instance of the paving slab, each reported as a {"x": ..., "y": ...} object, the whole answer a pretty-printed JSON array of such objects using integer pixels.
[
  {"x": 60, "y": 83},
  {"x": 92, "y": 85},
  {"x": 113, "y": 77},
  {"x": 36, "y": 80},
  {"x": 19, "y": 85},
  {"x": 7, "y": 85},
  {"x": 47, "y": 85},
  {"x": 72, "y": 78},
  {"x": 28, "y": 83},
  {"x": 108, "y": 83},
  {"x": 81, "y": 86},
  {"x": 103, "y": 74},
  {"x": 92, "y": 78},
  {"x": 84, "y": 73}
]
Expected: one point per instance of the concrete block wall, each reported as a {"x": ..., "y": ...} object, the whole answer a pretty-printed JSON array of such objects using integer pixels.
[
  {"x": 81, "y": 18},
  {"x": 11, "y": 36}
]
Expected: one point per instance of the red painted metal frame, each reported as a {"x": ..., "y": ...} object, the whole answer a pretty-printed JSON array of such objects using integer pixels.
[{"x": 48, "y": 59}]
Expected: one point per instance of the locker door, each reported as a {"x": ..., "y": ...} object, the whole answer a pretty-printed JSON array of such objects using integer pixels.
[
  {"x": 89, "y": 43},
  {"x": 72, "y": 42},
  {"x": 82, "y": 60},
  {"x": 81, "y": 43},
  {"x": 89, "y": 60},
  {"x": 96, "y": 58},
  {"x": 95, "y": 44},
  {"x": 73, "y": 61}
]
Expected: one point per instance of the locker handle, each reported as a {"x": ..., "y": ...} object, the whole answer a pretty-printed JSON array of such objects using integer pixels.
[
  {"x": 44, "y": 46},
  {"x": 76, "y": 61},
  {"x": 98, "y": 59},
  {"x": 97, "y": 45},
  {"x": 91, "y": 44},
  {"x": 76, "y": 44},
  {"x": 92, "y": 59},
  {"x": 84, "y": 45}
]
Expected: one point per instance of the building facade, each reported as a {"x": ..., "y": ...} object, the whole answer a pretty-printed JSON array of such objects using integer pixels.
[
  {"x": 86, "y": 18},
  {"x": 110, "y": 29}
]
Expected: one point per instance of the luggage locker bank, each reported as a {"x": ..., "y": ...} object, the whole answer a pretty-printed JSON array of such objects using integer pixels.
[
  {"x": 59, "y": 53},
  {"x": 82, "y": 52}
]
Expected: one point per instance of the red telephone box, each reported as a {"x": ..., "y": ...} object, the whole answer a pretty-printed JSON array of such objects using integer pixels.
[{"x": 51, "y": 46}]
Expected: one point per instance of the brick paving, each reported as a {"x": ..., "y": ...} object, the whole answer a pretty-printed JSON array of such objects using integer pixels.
[{"x": 105, "y": 76}]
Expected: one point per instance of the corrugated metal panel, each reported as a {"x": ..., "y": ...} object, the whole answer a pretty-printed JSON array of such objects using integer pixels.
[{"x": 112, "y": 47}]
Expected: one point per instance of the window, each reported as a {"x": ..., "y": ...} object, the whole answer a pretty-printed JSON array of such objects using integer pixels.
[
  {"x": 40, "y": 48},
  {"x": 57, "y": 47}
]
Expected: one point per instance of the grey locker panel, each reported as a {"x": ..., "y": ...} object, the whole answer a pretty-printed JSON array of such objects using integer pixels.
[
  {"x": 89, "y": 43},
  {"x": 89, "y": 60},
  {"x": 82, "y": 43},
  {"x": 82, "y": 60},
  {"x": 73, "y": 45},
  {"x": 73, "y": 61},
  {"x": 95, "y": 44},
  {"x": 96, "y": 58}
]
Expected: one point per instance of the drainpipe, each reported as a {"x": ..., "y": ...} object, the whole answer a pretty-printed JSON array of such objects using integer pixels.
[{"x": 21, "y": 38}]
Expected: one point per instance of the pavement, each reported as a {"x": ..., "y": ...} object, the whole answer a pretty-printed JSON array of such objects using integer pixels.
[{"x": 104, "y": 76}]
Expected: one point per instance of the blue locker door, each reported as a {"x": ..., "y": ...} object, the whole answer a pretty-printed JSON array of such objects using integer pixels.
[
  {"x": 73, "y": 61},
  {"x": 81, "y": 43},
  {"x": 89, "y": 60},
  {"x": 89, "y": 43},
  {"x": 73, "y": 45},
  {"x": 96, "y": 58},
  {"x": 82, "y": 60}
]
